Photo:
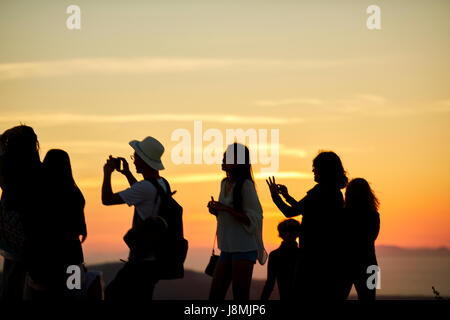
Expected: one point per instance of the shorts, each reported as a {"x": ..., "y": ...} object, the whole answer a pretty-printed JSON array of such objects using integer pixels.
[{"x": 236, "y": 256}]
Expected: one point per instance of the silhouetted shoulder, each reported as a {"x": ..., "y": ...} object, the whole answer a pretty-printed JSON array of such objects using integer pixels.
[
  {"x": 275, "y": 254},
  {"x": 314, "y": 190},
  {"x": 248, "y": 185}
]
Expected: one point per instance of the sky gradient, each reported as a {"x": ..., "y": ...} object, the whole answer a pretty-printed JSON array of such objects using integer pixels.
[{"x": 379, "y": 99}]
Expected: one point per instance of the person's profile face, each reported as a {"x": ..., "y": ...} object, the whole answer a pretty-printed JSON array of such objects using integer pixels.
[
  {"x": 227, "y": 167},
  {"x": 316, "y": 175},
  {"x": 137, "y": 163}
]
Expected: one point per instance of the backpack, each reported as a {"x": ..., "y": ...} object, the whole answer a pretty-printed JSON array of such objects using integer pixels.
[{"x": 163, "y": 236}]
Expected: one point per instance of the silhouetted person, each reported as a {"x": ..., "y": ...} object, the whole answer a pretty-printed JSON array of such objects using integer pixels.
[
  {"x": 318, "y": 276},
  {"x": 137, "y": 279},
  {"x": 57, "y": 242},
  {"x": 20, "y": 182},
  {"x": 283, "y": 261},
  {"x": 239, "y": 226},
  {"x": 361, "y": 226}
]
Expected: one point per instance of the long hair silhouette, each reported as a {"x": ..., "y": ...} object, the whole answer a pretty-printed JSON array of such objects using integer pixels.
[
  {"x": 361, "y": 225},
  {"x": 57, "y": 168},
  {"x": 241, "y": 172},
  {"x": 330, "y": 170},
  {"x": 359, "y": 195},
  {"x": 22, "y": 163}
]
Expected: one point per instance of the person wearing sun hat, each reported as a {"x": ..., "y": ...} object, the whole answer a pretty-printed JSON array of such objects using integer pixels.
[
  {"x": 137, "y": 279},
  {"x": 150, "y": 151}
]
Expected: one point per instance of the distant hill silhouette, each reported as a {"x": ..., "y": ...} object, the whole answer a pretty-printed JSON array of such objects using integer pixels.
[
  {"x": 393, "y": 250},
  {"x": 194, "y": 285}
]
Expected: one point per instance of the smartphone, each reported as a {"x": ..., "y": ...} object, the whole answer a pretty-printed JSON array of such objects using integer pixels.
[{"x": 117, "y": 164}]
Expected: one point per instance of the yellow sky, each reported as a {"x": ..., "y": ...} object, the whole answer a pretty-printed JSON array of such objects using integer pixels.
[{"x": 379, "y": 99}]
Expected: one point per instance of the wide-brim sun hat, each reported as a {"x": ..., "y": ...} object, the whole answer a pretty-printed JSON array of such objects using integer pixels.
[{"x": 150, "y": 151}]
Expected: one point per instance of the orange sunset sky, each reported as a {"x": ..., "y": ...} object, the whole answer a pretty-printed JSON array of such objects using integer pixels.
[{"x": 311, "y": 69}]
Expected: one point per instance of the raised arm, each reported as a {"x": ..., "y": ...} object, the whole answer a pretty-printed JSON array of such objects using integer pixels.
[
  {"x": 126, "y": 172},
  {"x": 108, "y": 196},
  {"x": 293, "y": 208},
  {"x": 284, "y": 192},
  {"x": 287, "y": 210}
]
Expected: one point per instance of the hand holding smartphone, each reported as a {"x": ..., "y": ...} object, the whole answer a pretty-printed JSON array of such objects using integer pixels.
[{"x": 117, "y": 163}]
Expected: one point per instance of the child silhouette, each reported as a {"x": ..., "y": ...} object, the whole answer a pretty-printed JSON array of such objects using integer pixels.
[{"x": 283, "y": 261}]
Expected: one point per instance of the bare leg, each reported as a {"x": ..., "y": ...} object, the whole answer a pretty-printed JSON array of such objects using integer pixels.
[
  {"x": 221, "y": 281},
  {"x": 242, "y": 279}
]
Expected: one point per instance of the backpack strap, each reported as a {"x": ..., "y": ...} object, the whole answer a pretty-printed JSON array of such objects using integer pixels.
[
  {"x": 160, "y": 193},
  {"x": 169, "y": 191},
  {"x": 158, "y": 186},
  {"x": 166, "y": 183},
  {"x": 159, "y": 189}
]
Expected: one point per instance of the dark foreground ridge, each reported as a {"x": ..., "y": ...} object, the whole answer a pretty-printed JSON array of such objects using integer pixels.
[{"x": 195, "y": 286}]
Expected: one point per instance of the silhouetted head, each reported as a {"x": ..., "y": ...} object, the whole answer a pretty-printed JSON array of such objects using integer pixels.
[
  {"x": 328, "y": 170},
  {"x": 236, "y": 164},
  {"x": 21, "y": 143},
  {"x": 147, "y": 155},
  {"x": 289, "y": 229},
  {"x": 57, "y": 167},
  {"x": 360, "y": 196},
  {"x": 141, "y": 166},
  {"x": 21, "y": 151},
  {"x": 21, "y": 165}
]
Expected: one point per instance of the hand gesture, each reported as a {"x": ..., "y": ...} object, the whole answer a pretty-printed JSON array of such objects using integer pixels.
[
  {"x": 273, "y": 187},
  {"x": 283, "y": 190},
  {"x": 109, "y": 166},
  {"x": 277, "y": 188}
]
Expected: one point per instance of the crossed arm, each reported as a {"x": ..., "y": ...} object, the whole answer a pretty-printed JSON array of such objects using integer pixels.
[
  {"x": 215, "y": 206},
  {"x": 250, "y": 205}
]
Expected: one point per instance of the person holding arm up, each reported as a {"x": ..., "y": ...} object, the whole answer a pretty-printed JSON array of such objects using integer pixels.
[
  {"x": 319, "y": 274},
  {"x": 138, "y": 277}
]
